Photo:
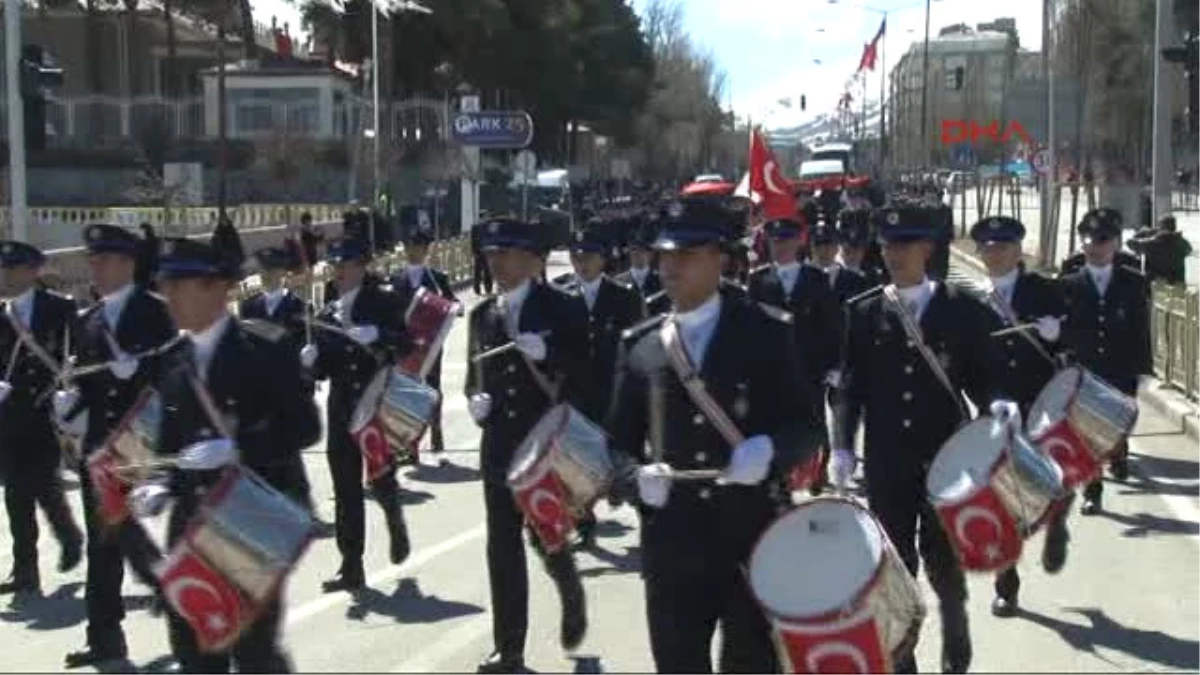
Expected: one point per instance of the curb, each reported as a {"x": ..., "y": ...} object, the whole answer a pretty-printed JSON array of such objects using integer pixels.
[{"x": 1154, "y": 393}]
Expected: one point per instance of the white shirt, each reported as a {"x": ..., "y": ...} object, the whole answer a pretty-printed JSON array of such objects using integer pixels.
[
  {"x": 832, "y": 271},
  {"x": 590, "y": 289},
  {"x": 204, "y": 344},
  {"x": 696, "y": 328},
  {"x": 917, "y": 296},
  {"x": 1100, "y": 277},
  {"x": 346, "y": 305},
  {"x": 21, "y": 307},
  {"x": 415, "y": 274},
  {"x": 511, "y": 303},
  {"x": 788, "y": 274},
  {"x": 639, "y": 275},
  {"x": 114, "y": 303},
  {"x": 1003, "y": 286},
  {"x": 273, "y": 298}
]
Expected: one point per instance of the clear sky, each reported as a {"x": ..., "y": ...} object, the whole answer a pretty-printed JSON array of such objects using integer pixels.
[{"x": 768, "y": 47}]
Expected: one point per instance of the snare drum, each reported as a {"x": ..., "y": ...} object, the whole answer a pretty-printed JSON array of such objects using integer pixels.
[
  {"x": 427, "y": 321},
  {"x": 837, "y": 596},
  {"x": 126, "y": 458},
  {"x": 991, "y": 492},
  {"x": 392, "y": 416},
  {"x": 1079, "y": 419},
  {"x": 558, "y": 472}
]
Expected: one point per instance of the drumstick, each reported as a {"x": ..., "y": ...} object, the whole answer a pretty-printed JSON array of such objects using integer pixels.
[
  {"x": 506, "y": 347},
  {"x": 12, "y": 360},
  {"x": 1013, "y": 329},
  {"x": 696, "y": 474},
  {"x": 70, "y": 373}
]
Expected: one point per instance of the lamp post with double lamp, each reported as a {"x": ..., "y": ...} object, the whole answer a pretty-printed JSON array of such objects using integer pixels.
[{"x": 885, "y": 13}]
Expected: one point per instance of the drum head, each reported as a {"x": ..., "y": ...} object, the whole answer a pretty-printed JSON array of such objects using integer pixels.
[
  {"x": 816, "y": 558},
  {"x": 368, "y": 404},
  {"x": 409, "y": 394},
  {"x": 538, "y": 442},
  {"x": 1052, "y": 402},
  {"x": 964, "y": 463}
]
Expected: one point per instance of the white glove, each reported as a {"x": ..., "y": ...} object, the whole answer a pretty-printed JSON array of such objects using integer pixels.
[
  {"x": 834, "y": 378},
  {"x": 459, "y": 310},
  {"x": 751, "y": 461},
  {"x": 532, "y": 345},
  {"x": 148, "y": 501},
  {"x": 124, "y": 367},
  {"x": 654, "y": 484},
  {"x": 1006, "y": 414},
  {"x": 5, "y": 390},
  {"x": 841, "y": 465},
  {"x": 364, "y": 334},
  {"x": 308, "y": 355},
  {"x": 1049, "y": 328},
  {"x": 207, "y": 455},
  {"x": 479, "y": 405},
  {"x": 64, "y": 401}
]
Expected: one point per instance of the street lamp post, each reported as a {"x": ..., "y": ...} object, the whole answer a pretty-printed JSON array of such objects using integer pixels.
[{"x": 925, "y": 91}]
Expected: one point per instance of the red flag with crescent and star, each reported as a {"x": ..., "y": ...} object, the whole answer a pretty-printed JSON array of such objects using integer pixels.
[
  {"x": 853, "y": 646},
  {"x": 773, "y": 192},
  {"x": 200, "y": 595},
  {"x": 982, "y": 532},
  {"x": 871, "y": 50},
  {"x": 544, "y": 503}
]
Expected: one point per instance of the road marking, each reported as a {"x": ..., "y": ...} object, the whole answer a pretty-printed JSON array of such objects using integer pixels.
[
  {"x": 418, "y": 560},
  {"x": 452, "y": 642}
]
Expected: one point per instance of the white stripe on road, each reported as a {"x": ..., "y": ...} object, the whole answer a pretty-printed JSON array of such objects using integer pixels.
[
  {"x": 451, "y": 643},
  {"x": 416, "y": 561}
]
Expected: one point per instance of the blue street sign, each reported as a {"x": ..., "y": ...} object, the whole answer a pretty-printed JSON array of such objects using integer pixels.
[
  {"x": 963, "y": 153},
  {"x": 493, "y": 129}
]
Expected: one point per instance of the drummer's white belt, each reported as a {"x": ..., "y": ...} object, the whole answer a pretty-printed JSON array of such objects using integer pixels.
[{"x": 694, "y": 386}]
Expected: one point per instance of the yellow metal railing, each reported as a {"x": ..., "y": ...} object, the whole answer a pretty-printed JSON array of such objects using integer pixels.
[
  {"x": 1175, "y": 327},
  {"x": 174, "y": 221}
]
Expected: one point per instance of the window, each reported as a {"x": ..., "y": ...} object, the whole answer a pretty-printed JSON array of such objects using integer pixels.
[{"x": 256, "y": 111}]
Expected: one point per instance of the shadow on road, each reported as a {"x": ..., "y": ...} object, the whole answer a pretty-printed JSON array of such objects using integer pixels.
[
  {"x": 1167, "y": 467},
  {"x": 60, "y": 609},
  {"x": 611, "y": 528},
  {"x": 1142, "y": 524},
  {"x": 161, "y": 664},
  {"x": 615, "y": 563},
  {"x": 411, "y": 497},
  {"x": 1149, "y": 646},
  {"x": 407, "y": 605},
  {"x": 587, "y": 664},
  {"x": 443, "y": 474}
]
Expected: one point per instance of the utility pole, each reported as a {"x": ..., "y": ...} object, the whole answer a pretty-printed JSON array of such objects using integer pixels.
[
  {"x": 222, "y": 122},
  {"x": 1162, "y": 160},
  {"x": 19, "y": 207},
  {"x": 1049, "y": 226},
  {"x": 925, "y": 93}
]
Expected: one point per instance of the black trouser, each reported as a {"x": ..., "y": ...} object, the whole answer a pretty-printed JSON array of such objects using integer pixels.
[
  {"x": 434, "y": 379},
  {"x": 346, "y": 467},
  {"x": 508, "y": 576},
  {"x": 1095, "y": 489},
  {"x": 481, "y": 279},
  {"x": 898, "y": 500},
  {"x": 33, "y": 485},
  {"x": 257, "y": 651},
  {"x": 683, "y": 610},
  {"x": 1008, "y": 582},
  {"x": 107, "y": 549}
]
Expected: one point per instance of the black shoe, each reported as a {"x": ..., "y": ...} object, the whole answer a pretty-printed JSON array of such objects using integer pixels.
[
  {"x": 1119, "y": 469},
  {"x": 91, "y": 656},
  {"x": 347, "y": 579},
  {"x": 499, "y": 663},
  {"x": 574, "y": 624},
  {"x": 14, "y": 586},
  {"x": 71, "y": 554},
  {"x": 400, "y": 547},
  {"x": 1054, "y": 550},
  {"x": 1091, "y": 507},
  {"x": 956, "y": 642},
  {"x": 1004, "y": 607}
]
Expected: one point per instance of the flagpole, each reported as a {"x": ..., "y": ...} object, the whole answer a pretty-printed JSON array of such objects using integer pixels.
[{"x": 882, "y": 95}]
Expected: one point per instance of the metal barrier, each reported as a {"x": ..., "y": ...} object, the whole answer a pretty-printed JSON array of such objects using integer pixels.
[
  {"x": 1175, "y": 327},
  {"x": 175, "y": 221}
]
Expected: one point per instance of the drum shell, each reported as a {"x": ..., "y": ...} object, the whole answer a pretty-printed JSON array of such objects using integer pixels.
[
  {"x": 889, "y": 600},
  {"x": 1099, "y": 413},
  {"x": 427, "y": 321},
  {"x": 403, "y": 405},
  {"x": 135, "y": 440},
  {"x": 250, "y": 532},
  {"x": 576, "y": 450}
]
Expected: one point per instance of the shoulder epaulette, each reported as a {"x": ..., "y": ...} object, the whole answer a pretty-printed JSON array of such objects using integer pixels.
[
  {"x": 865, "y": 295},
  {"x": 775, "y": 312},
  {"x": 271, "y": 332},
  {"x": 638, "y": 330}
]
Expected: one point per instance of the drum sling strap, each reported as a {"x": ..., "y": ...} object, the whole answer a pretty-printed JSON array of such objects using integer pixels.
[
  {"x": 682, "y": 365},
  {"x": 1010, "y": 315},
  {"x": 914, "y": 333},
  {"x": 549, "y": 387}
]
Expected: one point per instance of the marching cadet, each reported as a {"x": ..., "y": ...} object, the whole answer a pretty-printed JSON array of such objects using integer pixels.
[
  {"x": 34, "y": 319},
  {"x": 641, "y": 275},
  {"x": 844, "y": 282},
  {"x": 415, "y": 275},
  {"x": 858, "y": 247},
  {"x": 260, "y": 415},
  {"x": 611, "y": 309},
  {"x": 120, "y": 330},
  {"x": 1113, "y": 220},
  {"x": 370, "y": 337},
  {"x": 508, "y": 393},
  {"x": 910, "y": 349},
  {"x": 697, "y": 535},
  {"x": 1108, "y": 326},
  {"x": 1022, "y": 363}
]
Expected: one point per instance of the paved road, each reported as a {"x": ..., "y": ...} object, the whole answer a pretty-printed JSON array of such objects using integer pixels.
[{"x": 1127, "y": 600}]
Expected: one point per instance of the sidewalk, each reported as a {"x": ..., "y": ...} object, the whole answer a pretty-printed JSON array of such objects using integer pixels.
[{"x": 1172, "y": 404}]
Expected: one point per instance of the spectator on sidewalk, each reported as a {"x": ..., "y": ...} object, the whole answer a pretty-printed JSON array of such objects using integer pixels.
[
  {"x": 146, "y": 267},
  {"x": 225, "y": 239},
  {"x": 1165, "y": 249}
]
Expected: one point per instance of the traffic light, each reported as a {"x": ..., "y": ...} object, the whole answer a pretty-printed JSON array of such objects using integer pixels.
[
  {"x": 1189, "y": 56},
  {"x": 36, "y": 78},
  {"x": 803, "y": 102}
]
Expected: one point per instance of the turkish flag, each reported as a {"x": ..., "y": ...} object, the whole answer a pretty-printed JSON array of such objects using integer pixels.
[
  {"x": 204, "y": 598},
  {"x": 983, "y": 533},
  {"x": 774, "y": 192},
  {"x": 544, "y": 503},
  {"x": 1066, "y": 447},
  {"x": 871, "y": 49},
  {"x": 852, "y": 647},
  {"x": 807, "y": 472},
  {"x": 111, "y": 492},
  {"x": 373, "y": 444}
]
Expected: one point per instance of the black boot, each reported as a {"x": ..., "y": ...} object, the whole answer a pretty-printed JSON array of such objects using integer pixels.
[
  {"x": 573, "y": 626},
  {"x": 350, "y": 577},
  {"x": 21, "y": 582},
  {"x": 1054, "y": 549},
  {"x": 100, "y": 649},
  {"x": 502, "y": 663},
  {"x": 956, "y": 639},
  {"x": 1007, "y": 586},
  {"x": 400, "y": 547}
]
